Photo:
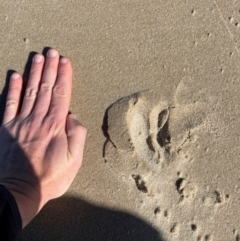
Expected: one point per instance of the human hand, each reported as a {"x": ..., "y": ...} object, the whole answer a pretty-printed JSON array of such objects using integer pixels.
[{"x": 41, "y": 145}]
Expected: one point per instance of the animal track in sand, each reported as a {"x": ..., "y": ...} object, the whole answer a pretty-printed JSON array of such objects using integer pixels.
[
  {"x": 147, "y": 134},
  {"x": 146, "y": 140},
  {"x": 193, "y": 227},
  {"x": 208, "y": 238},
  {"x": 175, "y": 228},
  {"x": 140, "y": 183},
  {"x": 142, "y": 136},
  {"x": 205, "y": 238},
  {"x": 237, "y": 236},
  {"x": 215, "y": 198},
  {"x": 157, "y": 211},
  {"x": 185, "y": 189}
]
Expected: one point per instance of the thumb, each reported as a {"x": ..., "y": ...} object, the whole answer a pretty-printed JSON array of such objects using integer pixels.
[{"x": 76, "y": 135}]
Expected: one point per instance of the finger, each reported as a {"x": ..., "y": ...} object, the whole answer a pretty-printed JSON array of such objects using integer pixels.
[
  {"x": 48, "y": 80},
  {"x": 13, "y": 98},
  {"x": 61, "y": 95},
  {"x": 76, "y": 135},
  {"x": 32, "y": 85}
]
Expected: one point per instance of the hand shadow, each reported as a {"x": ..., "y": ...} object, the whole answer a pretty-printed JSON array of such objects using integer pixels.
[{"x": 73, "y": 219}]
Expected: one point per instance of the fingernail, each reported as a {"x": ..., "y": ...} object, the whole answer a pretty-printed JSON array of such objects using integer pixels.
[
  {"x": 63, "y": 60},
  {"x": 52, "y": 53},
  {"x": 15, "y": 76},
  {"x": 74, "y": 116},
  {"x": 38, "y": 58}
]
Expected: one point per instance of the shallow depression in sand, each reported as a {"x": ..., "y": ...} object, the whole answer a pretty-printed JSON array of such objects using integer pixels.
[{"x": 155, "y": 146}]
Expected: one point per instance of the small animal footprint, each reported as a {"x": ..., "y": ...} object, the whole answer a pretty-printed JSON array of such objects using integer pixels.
[
  {"x": 157, "y": 211},
  {"x": 216, "y": 198},
  {"x": 175, "y": 228},
  {"x": 205, "y": 238},
  {"x": 185, "y": 189},
  {"x": 140, "y": 183}
]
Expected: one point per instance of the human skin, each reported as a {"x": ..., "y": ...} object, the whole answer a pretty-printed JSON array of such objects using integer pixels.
[{"x": 41, "y": 144}]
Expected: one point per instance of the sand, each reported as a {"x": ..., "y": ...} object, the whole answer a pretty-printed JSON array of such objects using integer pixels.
[{"x": 157, "y": 85}]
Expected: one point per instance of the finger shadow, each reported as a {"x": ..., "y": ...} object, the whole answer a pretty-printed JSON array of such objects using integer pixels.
[
  {"x": 73, "y": 219},
  {"x": 3, "y": 95}
]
